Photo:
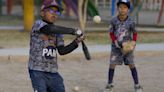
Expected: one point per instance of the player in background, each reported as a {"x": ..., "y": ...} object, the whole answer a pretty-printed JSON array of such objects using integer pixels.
[
  {"x": 122, "y": 30},
  {"x": 45, "y": 40}
]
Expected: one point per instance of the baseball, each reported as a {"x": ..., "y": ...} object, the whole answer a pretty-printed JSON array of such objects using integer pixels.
[
  {"x": 97, "y": 19},
  {"x": 76, "y": 89}
]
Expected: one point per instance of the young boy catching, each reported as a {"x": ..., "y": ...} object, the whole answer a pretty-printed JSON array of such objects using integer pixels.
[
  {"x": 122, "y": 30},
  {"x": 46, "y": 40}
]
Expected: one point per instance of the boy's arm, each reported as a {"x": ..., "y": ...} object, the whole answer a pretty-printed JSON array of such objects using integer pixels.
[
  {"x": 112, "y": 36},
  {"x": 135, "y": 34},
  {"x": 111, "y": 32},
  {"x": 67, "y": 49},
  {"x": 54, "y": 29}
]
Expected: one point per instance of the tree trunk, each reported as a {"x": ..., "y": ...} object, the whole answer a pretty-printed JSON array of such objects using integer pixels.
[{"x": 82, "y": 12}]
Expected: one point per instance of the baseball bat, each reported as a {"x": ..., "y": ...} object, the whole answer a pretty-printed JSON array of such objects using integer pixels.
[{"x": 86, "y": 51}]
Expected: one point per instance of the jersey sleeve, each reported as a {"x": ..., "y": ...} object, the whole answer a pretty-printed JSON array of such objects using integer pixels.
[
  {"x": 111, "y": 26},
  {"x": 133, "y": 29},
  {"x": 111, "y": 31},
  {"x": 38, "y": 25}
]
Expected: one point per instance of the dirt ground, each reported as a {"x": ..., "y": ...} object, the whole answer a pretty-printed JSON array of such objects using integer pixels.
[{"x": 89, "y": 76}]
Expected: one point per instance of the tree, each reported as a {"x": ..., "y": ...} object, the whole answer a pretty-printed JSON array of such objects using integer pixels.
[{"x": 82, "y": 13}]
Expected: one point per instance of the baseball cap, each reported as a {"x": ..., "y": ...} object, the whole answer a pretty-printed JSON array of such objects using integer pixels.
[
  {"x": 51, "y": 3},
  {"x": 126, "y": 2}
]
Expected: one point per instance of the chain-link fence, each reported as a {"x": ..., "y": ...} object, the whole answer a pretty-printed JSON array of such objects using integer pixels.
[
  {"x": 146, "y": 12},
  {"x": 11, "y": 11}
]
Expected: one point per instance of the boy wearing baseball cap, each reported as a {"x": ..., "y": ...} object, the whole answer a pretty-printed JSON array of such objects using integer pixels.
[
  {"x": 45, "y": 40},
  {"x": 122, "y": 30}
]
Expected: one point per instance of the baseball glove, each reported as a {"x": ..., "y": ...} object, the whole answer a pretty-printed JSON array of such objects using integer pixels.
[{"x": 128, "y": 46}]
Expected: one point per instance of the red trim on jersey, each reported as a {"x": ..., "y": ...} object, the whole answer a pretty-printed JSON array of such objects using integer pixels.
[
  {"x": 112, "y": 36},
  {"x": 135, "y": 36}
]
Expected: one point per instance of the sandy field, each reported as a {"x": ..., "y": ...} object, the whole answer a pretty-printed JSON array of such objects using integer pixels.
[{"x": 89, "y": 76}]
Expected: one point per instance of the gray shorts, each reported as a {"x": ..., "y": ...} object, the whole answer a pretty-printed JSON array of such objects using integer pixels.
[{"x": 118, "y": 58}]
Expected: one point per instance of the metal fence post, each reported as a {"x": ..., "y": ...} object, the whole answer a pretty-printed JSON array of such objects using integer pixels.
[
  {"x": 113, "y": 7},
  {"x": 0, "y": 7}
]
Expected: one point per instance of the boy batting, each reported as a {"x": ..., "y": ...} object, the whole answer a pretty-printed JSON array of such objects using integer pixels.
[{"x": 45, "y": 40}]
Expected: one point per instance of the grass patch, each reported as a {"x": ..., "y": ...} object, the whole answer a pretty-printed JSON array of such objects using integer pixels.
[
  {"x": 14, "y": 39},
  {"x": 151, "y": 37},
  {"x": 11, "y": 39},
  {"x": 11, "y": 20},
  {"x": 143, "y": 37}
]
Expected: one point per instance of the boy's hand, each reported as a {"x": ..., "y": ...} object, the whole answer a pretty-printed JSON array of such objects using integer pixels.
[
  {"x": 80, "y": 38},
  {"x": 128, "y": 46},
  {"x": 116, "y": 44},
  {"x": 78, "y": 32}
]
